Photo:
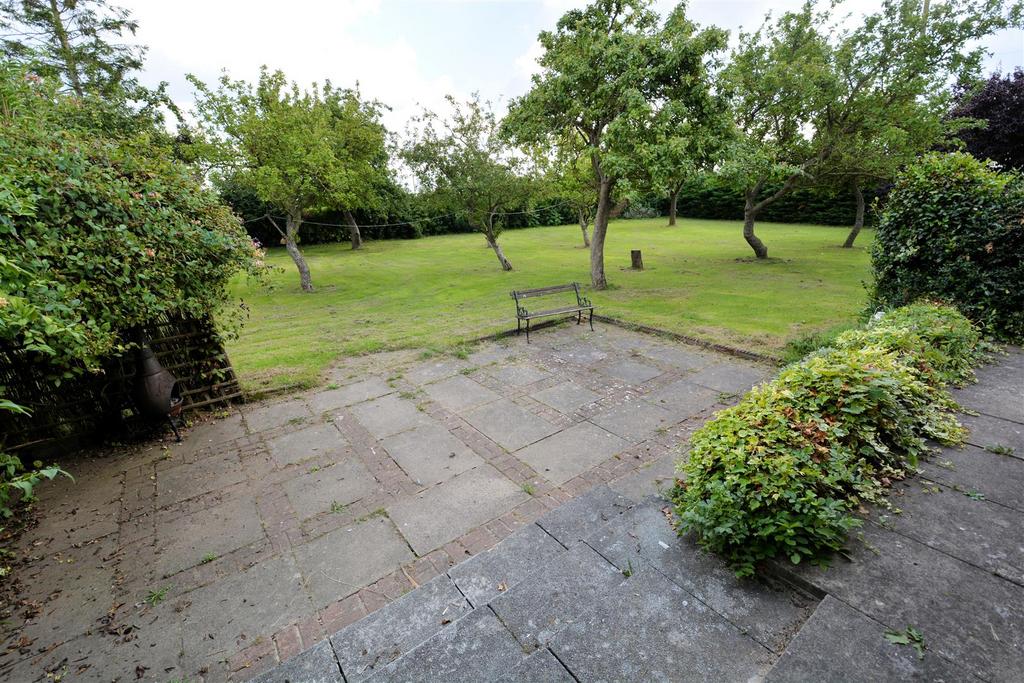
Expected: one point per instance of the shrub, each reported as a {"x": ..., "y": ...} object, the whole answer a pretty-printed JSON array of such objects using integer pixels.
[
  {"x": 780, "y": 472},
  {"x": 953, "y": 229},
  {"x": 18, "y": 482}
]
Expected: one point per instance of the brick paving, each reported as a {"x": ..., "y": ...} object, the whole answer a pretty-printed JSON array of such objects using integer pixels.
[{"x": 282, "y": 522}]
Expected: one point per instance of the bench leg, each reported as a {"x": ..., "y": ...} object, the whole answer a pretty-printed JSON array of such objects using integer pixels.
[
  {"x": 527, "y": 331},
  {"x": 591, "y": 319},
  {"x": 519, "y": 326},
  {"x": 579, "y": 317}
]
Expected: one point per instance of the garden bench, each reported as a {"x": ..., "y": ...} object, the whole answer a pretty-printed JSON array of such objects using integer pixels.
[{"x": 522, "y": 314}]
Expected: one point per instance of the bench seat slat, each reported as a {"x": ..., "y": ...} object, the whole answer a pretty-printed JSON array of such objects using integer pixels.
[{"x": 556, "y": 311}]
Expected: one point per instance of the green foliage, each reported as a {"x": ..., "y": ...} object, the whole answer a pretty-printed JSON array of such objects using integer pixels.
[
  {"x": 909, "y": 636},
  {"x": 18, "y": 482},
  {"x": 953, "y": 229},
  {"x": 780, "y": 472},
  {"x": 99, "y": 234}
]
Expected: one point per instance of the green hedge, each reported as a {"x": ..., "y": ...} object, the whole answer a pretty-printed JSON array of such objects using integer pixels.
[
  {"x": 780, "y": 473},
  {"x": 953, "y": 229}
]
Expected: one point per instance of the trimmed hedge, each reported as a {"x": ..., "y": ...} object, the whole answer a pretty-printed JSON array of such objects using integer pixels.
[
  {"x": 953, "y": 229},
  {"x": 781, "y": 472}
]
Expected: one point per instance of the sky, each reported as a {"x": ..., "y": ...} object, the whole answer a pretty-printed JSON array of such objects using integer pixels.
[{"x": 405, "y": 53}]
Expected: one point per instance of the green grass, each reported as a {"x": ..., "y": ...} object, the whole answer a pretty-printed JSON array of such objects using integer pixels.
[{"x": 701, "y": 280}]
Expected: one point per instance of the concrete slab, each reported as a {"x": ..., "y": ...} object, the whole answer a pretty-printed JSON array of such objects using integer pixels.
[
  {"x": 389, "y": 415},
  {"x": 566, "y": 397},
  {"x": 838, "y": 643},
  {"x": 343, "y": 483},
  {"x": 1000, "y": 401},
  {"x": 370, "y": 644},
  {"x": 435, "y": 369},
  {"x": 630, "y": 371},
  {"x": 342, "y": 561},
  {"x": 651, "y": 479},
  {"x": 483, "y": 577},
  {"x": 966, "y": 614},
  {"x": 679, "y": 358},
  {"x": 509, "y": 425},
  {"x": 643, "y": 535},
  {"x": 264, "y": 416},
  {"x": 583, "y": 517},
  {"x": 214, "y": 432},
  {"x": 990, "y": 432},
  {"x": 649, "y": 629},
  {"x": 312, "y": 442},
  {"x": 998, "y": 477},
  {"x": 186, "y": 541},
  {"x": 572, "y": 451},
  {"x": 683, "y": 399},
  {"x": 581, "y": 353},
  {"x": 182, "y": 482},
  {"x": 732, "y": 377},
  {"x": 517, "y": 374},
  {"x": 221, "y": 618},
  {"x": 634, "y": 420},
  {"x": 475, "y": 648},
  {"x": 315, "y": 665},
  {"x": 459, "y": 393},
  {"x": 492, "y": 353},
  {"x": 349, "y": 394},
  {"x": 440, "y": 514},
  {"x": 430, "y": 454},
  {"x": 540, "y": 667},
  {"x": 556, "y": 595}
]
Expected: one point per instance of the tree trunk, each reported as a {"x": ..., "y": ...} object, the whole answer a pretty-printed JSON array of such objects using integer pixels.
[
  {"x": 294, "y": 222},
  {"x": 672, "y": 202},
  {"x": 65, "y": 47},
  {"x": 858, "y": 221},
  {"x": 353, "y": 230},
  {"x": 604, "y": 209},
  {"x": 584, "y": 224},
  {"x": 492, "y": 242},
  {"x": 750, "y": 211}
]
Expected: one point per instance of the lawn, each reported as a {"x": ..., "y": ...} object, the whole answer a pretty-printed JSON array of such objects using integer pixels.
[{"x": 700, "y": 280}]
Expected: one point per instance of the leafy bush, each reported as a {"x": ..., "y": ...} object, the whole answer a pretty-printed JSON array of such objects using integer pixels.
[
  {"x": 17, "y": 483},
  {"x": 780, "y": 472},
  {"x": 953, "y": 229}
]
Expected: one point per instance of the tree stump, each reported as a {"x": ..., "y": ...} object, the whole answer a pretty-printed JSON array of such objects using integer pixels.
[{"x": 637, "y": 258}]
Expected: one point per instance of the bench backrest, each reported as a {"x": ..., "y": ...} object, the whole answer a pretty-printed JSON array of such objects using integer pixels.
[{"x": 544, "y": 291}]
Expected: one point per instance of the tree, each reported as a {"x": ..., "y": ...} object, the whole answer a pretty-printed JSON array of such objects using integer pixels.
[
  {"x": 300, "y": 150},
  {"x": 72, "y": 39},
  {"x": 606, "y": 70},
  {"x": 803, "y": 89},
  {"x": 464, "y": 162},
  {"x": 998, "y": 103}
]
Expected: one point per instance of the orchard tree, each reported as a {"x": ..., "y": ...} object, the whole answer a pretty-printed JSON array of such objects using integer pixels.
[
  {"x": 803, "y": 90},
  {"x": 998, "y": 104},
  {"x": 568, "y": 177},
  {"x": 605, "y": 72},
  {"x": 299, "y": 150},
  {"x": 463, "y": 161}
]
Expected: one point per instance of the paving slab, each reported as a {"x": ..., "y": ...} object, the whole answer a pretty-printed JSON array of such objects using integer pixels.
[
  {"x": 1001, "y": 401},
  {"x": 630, "y": 371},
  {"x": 475, "y": 648},
  {"x": 517, "y": 374},
  {"x": 389, "y": 415},
  {"x": 433, "y": 370},
  {"x": 315, "y": 665},
  {"x": 492, "y": 353},
  {"x": 213, "y": 432},
  {"x": 557, "y": 595},
  {"x": 459, "y": 393},
  {"x": 349, "y": 394},
  {"x": 265, "y": 416},
  {"x": 444, "y": 512},
  {"x": 585, "y": 516},
  {"x": 182, "y": 482},
  {"x": 566, "y": 397},
  {"x": 483, "y": 577},
  {"x": 649, "y": 629},
  {"x": 768, "y": 614},
  {"x": 344, "y": 482},
  {"x": 342, "y": 561},
  {"x": 979, "y": 532},
  {"x": 966, "y": 614},
  {"x": 683, "y": 399},
  {"x": 730, "y": 377},
  {"x": 315, "y": 441},
  {"x": 680, "y": 358},
  {"x": 650, "y": 479},
  {"x": 581, "y": 353},
  {"x": 223, "y": 617},
  {"x": 572, "y": 451},
  {"x": 996, "y": 476},
  {"x": 430, "y": 454},
  {"x": 990, "y": 432},
  {"x": 509, "y": 425},
  {"x": 634, "y": 420},
  {"x": 838, "y": 643},
  {"x": 372, "y": 643},
  {"x": 540, "y": 667},
  {"x": 185, "y": 542}
]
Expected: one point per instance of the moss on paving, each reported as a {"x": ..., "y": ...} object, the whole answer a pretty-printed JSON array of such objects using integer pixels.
[{"x": 700, "y": 280}]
